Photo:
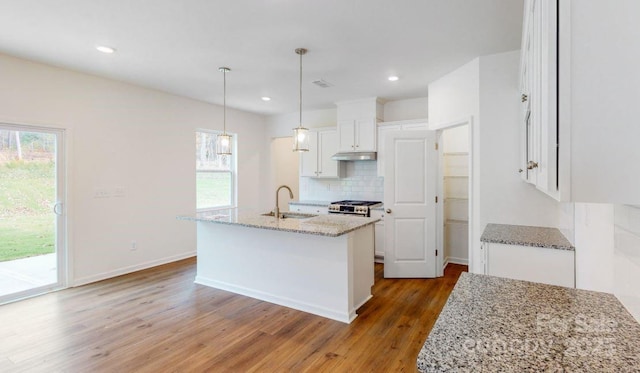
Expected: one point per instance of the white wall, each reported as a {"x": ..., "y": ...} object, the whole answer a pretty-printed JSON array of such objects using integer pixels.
[
  {"x": 126, "y": 136},
  {"x": 455, "y": 97},
  {"x": 414, "y": 108},
  {"x": 487, "y": 90},
  {"x": 594, "y": 242},
  {"x": 604, "y": 98}
]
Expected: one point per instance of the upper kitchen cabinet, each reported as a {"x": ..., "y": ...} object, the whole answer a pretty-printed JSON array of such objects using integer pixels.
[
  {"x": 357, "y": 122},
  {"x": 579, "y": 93},
  {"x": 317, "y": 161},
  {"x": 538, "y": 96}
]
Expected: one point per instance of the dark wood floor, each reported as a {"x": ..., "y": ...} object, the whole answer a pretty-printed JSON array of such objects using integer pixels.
[{"x": 158, "y": 320}]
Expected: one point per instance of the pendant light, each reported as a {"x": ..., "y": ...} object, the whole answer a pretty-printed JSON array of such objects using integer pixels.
[
  {"x": 223, "y": 142},
  {"x": 300, "y": 134}
]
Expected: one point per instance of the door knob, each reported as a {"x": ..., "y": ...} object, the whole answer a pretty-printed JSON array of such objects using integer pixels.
[
  {"x": 388, "y": 211},
  {"x": 531, "y": 165},
  {"x": 524, "y": 98}
]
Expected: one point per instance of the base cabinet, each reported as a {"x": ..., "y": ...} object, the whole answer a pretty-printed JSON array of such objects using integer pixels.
[
  {"x": 309, "y": 209},
  {"x": 535, "y": 264},
  {"x": 379, "y": 236}
]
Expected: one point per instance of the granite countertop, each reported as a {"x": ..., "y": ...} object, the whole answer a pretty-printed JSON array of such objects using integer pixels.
[
  {"x": 322, "y": 225},
  {"x": 526, "y": 236},
  {"x": 310, "y": 203},
  {"x": 493, "y": 324}
]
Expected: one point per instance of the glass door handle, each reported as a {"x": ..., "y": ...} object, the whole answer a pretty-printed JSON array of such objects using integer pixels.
[{"x": 57, "y": 208}]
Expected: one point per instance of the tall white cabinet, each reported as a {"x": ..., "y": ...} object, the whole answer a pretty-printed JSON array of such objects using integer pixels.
[{"x": 579, "y": 94}]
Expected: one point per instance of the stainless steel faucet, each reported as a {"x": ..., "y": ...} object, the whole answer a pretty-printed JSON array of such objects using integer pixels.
[{"x": 276, "y": 211}]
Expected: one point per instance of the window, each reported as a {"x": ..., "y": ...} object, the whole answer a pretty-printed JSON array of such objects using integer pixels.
[{"x": 215, "y": 174}]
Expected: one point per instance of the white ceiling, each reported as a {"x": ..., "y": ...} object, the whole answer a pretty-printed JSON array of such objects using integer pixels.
[{"x": 177, "y": 45}]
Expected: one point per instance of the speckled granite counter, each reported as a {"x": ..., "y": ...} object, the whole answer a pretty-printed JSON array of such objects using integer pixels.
[
  {"x": 526, "y": 236},
  {"x": 323, "y": 225},
  {"x": 492, "y": 324}
]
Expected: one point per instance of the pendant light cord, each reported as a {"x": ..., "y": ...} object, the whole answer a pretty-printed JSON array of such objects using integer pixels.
[
  {"x": 300, "y": 102},
  {"x": 224, "y": 103}
]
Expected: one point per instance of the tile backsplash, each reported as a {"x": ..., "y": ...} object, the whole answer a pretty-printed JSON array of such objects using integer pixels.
[{"x": 360, "y": 182}]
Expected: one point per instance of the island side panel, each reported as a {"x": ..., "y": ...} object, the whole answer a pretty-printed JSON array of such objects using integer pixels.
[
  {"x": 362, "y": 243},
  {"x": 301, "y": 271}
]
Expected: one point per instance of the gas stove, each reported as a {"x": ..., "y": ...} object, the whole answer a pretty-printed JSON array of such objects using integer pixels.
[{"x": 358, "y": 208}]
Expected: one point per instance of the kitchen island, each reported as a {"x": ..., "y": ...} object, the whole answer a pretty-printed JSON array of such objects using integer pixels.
[
  {"x": 318, "y": 264},
  {"x": 492, "y": 324}
]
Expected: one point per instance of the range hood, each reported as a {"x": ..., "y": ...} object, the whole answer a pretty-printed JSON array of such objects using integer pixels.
[{"x": 354, "y": 156}]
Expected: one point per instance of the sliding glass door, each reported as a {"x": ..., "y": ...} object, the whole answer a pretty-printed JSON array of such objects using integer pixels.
[{"x": 32, "y": 211}]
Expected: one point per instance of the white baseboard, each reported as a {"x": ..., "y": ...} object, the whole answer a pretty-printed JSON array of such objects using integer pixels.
[
  {"x": 134, "y": 268},
  {"x": 454, "y": 260},
  {"x": 344, "y": 317}
]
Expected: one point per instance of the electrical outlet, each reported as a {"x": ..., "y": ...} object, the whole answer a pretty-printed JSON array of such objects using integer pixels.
[
  {"x": 101, "y": 193},
  {"x": 134, "y": 246},
  {"x": 119, "y": 192}
]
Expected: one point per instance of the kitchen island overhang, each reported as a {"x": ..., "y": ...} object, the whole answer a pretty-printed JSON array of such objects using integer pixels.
[{"x": 322, "y": 265}]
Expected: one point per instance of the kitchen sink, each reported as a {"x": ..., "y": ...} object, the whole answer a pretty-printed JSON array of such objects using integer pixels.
[{"x": 291, "y": 215}]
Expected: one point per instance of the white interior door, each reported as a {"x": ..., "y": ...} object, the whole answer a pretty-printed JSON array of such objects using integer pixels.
[{"x": 409, "y": 201}]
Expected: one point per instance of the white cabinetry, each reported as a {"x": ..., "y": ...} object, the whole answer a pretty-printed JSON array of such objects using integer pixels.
[
  {"x": 383, "y": 128},
  {"x": 579, "y": 93},
  {"x": 357, "y": 135},
  {"x": 357, "y": 122},
  {"x": 317, "y": 161},
  {"x": 309, "y": 209},
  {"x": 538, "y": 86},
  {"x": 379, "y": 236},
  {"x": 528, "y": 263}
]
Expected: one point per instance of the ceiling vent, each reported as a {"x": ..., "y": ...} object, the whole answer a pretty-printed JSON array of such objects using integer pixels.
[{"x": 322, "y": 83}]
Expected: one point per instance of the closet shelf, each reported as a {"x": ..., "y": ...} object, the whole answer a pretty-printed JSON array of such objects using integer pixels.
[
  {"x": 455, "y": 199},
  {"x": 456, "y": 221}
]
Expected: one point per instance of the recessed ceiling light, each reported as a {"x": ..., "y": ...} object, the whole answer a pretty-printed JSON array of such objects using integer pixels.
[
  {"x": 105, "y": 49},
  {"x": 393, "y": 78},
  {"x": 265, "y": 98}
]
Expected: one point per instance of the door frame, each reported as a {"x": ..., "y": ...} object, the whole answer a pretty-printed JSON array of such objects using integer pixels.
[
  {"x": 439, "y": 128},
  {"x": 63, "y": 263}
]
